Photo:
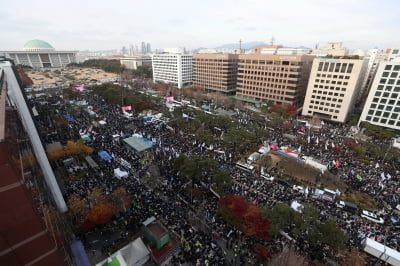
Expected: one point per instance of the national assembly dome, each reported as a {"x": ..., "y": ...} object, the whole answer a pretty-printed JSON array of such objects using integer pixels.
[{"x": 38, "y": 45}]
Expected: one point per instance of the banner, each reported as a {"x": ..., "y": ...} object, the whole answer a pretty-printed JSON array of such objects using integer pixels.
[{"x": 126, "y": 108}]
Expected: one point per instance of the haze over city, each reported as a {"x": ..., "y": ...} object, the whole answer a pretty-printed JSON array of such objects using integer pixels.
[{"x": 98, "y": 25}]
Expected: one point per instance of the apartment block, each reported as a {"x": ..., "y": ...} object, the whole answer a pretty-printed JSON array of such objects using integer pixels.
[
  {"x": 333, "y": 88},
  {"x": 281, "y": 79},
  {"x": 174, "y": 69},
  {"x": 382, "y": 107},
  {"x": 215, "y": 72}
]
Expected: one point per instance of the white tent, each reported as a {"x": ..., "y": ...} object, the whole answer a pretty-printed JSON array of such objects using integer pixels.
[
  {"x": 133, "y": 254},
  {"x": 118, "y": 173}
]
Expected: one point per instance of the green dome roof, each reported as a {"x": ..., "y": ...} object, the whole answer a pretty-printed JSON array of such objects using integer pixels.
[{"x": 37, "y": 44}]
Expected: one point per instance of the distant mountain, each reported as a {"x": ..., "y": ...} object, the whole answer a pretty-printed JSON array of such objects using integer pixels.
[{"x": 245, "y": 45}]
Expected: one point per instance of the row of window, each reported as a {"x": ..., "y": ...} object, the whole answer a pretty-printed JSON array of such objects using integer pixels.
[
  {"x": 388, "y": 88},
  {"x": 380, "y": 113},
  {"x": 345, "y": 83},
  {"x": 325, "y": 109},
  {"x": 330, "y": 93},
  {"x": 392, "y": 67},
  {"x": 319, "y": 75},
  {"x": 310, "y": 112},
  {"x": 382, "y": 120},
  {"x": 385, "y": 101},
  {"x": 335, "y": 67}
]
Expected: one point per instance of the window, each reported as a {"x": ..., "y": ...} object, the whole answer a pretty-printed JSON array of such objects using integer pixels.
[
  {"x": 331, "y": 66},
  {"x": 391, "y": 81},
  {"x": 394, "y": 116},
  {"x": 378, "y": 113},
  {"x": 368, "y": 118},
  {"x": 388, "y": 67},
  {"x": 396, "y": 67},
  {"x": 382, "y": 81},
  {"x": 381, "y": 106},
  {"x": 343, "y": 69},
  {"x": 394, "y": 74},
  {"x": 385, "y": 74},
  {"x": 378, "y": 93},
  {"x": 337, "y": 67},
  {"x": 350, "y": 68},
  {"x": 320, "y": 66},
  {"x": 383, "y": 121}
]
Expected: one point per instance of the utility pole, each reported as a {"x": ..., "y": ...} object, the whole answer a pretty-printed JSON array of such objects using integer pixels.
[
  {"x": 240, "y": 46},
  {"x": 272, "y": 40}
]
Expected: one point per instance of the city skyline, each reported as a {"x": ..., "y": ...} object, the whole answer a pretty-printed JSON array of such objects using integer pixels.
[{"x": 97, "y": 25}]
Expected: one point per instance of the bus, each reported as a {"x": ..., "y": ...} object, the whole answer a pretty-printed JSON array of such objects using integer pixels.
[{"x": 244, "y": 166}]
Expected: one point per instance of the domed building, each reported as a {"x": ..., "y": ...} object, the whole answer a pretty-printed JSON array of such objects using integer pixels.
[
  {"x": 37, "y": 45},
  {"x": 39, "y": 54}
]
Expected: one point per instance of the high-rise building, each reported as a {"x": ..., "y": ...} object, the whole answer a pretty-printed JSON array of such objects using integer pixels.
[
  {"x": 215, "y": 72},
  {"x": 40, "y": 54},
  {"x": 382, "y": 107},
  {"x": 144, "y": 48},
  {"x": 281, "y": 79},
  {"x": 373, "y": 57},
  {"x": 27, "y": 233},
  {"x": 174, "y": 69},
  {"x": 333, "y": 88},
  {"x": 148, "y": 48}
]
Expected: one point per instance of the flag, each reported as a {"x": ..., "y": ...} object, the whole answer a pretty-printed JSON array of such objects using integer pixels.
[{"x": 383, "y": 176}]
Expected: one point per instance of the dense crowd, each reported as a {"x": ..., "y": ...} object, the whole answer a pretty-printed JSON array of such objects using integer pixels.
[{"x": 168, "y": 201}]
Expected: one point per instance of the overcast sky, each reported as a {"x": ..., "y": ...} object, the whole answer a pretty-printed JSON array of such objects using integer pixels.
[{"x": 100, "y": 24}]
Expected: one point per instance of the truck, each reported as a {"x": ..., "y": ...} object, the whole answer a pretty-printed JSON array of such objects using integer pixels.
[
  {"x": 381, "y": 251},
  {"x": 253, "y": 157}
]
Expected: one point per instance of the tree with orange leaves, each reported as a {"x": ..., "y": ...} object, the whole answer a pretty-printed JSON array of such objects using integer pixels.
[
  {"x": 100, "y": 214},
  {"x": 254, "y": 224}
]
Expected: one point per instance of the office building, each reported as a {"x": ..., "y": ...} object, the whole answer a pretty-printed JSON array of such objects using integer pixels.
[
  {"x": 134, "y": 62},
  {"x": 41, "y": 55},
  {"x": 382, "y": 107},
  {"x": 330, "y": 49},
  {"x": 333, "y": 88},
  {"x": 215, "y": 72},
  {"x": 144, "y": 48},
  {"x": 28, "y": 232},
  {"x": 373, "y": 58},
  {"x": 281, "y": 79},
  {"x": 173, "y": 69}
]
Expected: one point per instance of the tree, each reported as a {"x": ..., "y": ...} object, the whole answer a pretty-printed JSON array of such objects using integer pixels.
[
  {"x": 254, "y": 224},
  {"x": 326, "y": 233},
  {"x": 78, "y": 209},
  {"x": 119, "y": 199},
  {"x": 96, "y": 197},
  {"x": 222, "y": 180},
  {"x": 100, "y": 214},
  {"x": 55, "y": 153},
  {"x": 282, "y": 216},
  {"x": 262, "y": 252},
  {"x": 354, "y": 258}
]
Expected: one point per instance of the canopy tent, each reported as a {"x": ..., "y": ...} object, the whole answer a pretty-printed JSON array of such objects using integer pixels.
[
  {"x": 79, "y": 253},
  {"x": 85, "y": 137},
  {"x": 91, "y": 162},
  {"x": 138, "y": 144},
  {"x": 105, "y": 156},
  {"x": 102, "y": 122},
  {"x": 118, "y": 173},
  {"x": 135, "y": 253}
]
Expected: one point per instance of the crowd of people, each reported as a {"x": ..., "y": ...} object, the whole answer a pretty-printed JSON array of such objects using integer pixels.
[{"x": 168, "y": 201}]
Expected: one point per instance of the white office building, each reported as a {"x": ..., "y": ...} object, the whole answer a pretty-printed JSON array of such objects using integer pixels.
[
  {"x": 174, "y": 69},
  {"x": 333, "y": 88},
  {"x": 382, "y": 107}
]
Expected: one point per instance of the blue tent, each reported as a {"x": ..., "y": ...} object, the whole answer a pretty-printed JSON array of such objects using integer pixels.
[
  {"x": 148, "y": 141},
  {"x": 69, "y": 118},
  {"x": 79, "y": 253},
  {"x": 105, "y": 156}
]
